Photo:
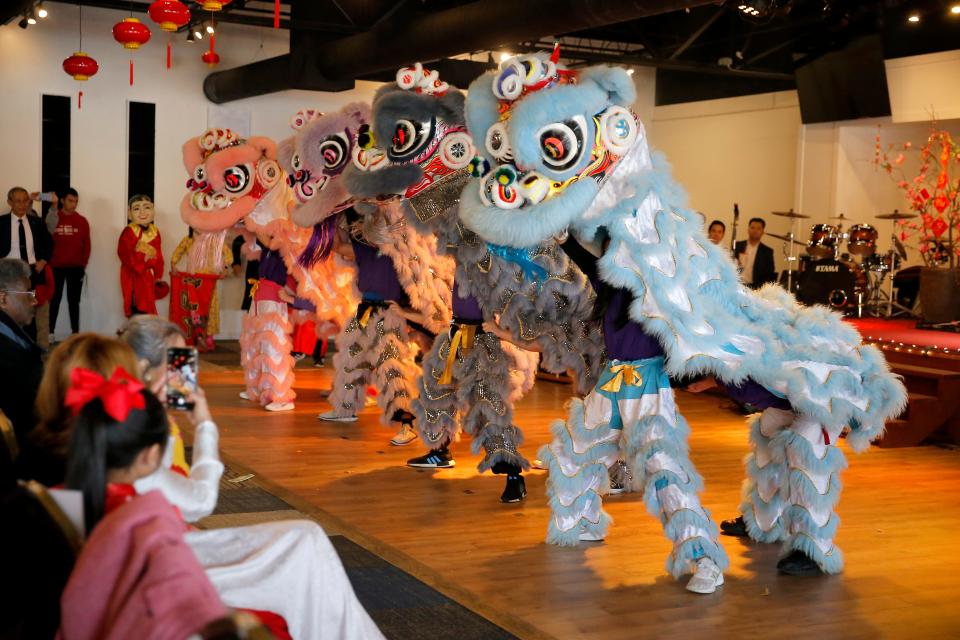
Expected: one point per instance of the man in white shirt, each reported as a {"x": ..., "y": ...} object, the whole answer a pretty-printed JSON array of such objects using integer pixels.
[{"x": 25, "y": 237}]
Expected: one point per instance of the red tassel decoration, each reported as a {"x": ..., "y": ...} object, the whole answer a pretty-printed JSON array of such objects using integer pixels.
[
  {"x": 276, "y": 14},
  {"x": 131, "y": 73},
  {"x": 80, "y": 101},
  {"x": 169, "y": 54}
]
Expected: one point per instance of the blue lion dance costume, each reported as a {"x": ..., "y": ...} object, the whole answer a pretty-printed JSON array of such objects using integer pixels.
[{"x": 573, "y": 158}]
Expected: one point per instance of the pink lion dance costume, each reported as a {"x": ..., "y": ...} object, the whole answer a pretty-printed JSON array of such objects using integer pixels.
[{"x": 236, "y": 180}]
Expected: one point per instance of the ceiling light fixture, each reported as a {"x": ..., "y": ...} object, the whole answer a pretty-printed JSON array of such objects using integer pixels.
[
  {"x": 955, "y": 9},
  {"x": 42, "y": 11},
  {"x": 210, "y": 28},
  {"x": 23, "y": 24},
  {"x": 505, "y": 55},
  {"x": 913, "y": 18},
  {"x": 197, "y": 32}
]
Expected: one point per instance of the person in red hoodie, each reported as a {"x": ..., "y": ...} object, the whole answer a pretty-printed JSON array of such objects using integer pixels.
[{"x": 71, "y": 253}]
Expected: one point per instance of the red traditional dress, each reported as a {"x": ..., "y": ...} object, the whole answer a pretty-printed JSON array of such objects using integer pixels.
[{"x": 141, "y": 265}]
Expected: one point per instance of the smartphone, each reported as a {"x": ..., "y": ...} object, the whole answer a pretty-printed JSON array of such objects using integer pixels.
[
  {"x": 46, "y": 196},
  {"x": 181, "y": 377}
]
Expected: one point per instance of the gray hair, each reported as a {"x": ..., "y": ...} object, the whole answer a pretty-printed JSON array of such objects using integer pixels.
[
  {"x": 13, "y": 272},
  {"x": 15, "y": 190},
  {"x": 148, "y": 336}
]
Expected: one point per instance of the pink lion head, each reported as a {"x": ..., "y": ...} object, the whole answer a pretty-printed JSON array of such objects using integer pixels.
[{"x": 228, "y": 177}]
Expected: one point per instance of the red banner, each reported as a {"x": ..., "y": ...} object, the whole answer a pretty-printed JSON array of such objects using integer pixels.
[{"x": 190, "y": 296}]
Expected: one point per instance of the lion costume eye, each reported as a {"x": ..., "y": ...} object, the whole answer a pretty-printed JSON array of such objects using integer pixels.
[
  {"x": 562, "y": 143},
  {"x": 497, "y": 143},
  {"x": 295, "y": 162},
  {"x": 409, "y": 138},
  {"x": 200, "y": 174},
  {"x": 236, "y": 178},
  {"x": 335, "y": 150}
]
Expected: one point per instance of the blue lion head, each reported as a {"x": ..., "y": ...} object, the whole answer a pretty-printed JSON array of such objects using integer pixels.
[{"x": 549, "y": 138}]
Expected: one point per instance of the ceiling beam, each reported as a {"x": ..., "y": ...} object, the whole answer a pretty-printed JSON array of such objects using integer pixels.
[{"x": 699, "y": 32}]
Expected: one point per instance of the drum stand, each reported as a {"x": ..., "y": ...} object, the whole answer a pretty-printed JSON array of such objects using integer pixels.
[
  {"x": 790, "y": 256},
  {"x": 882, "y": 302}
]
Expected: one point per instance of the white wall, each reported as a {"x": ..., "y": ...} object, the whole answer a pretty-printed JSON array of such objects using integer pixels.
[
  {"x": 923, "y": 87},
  {"x": 741, "y": 150},
  {"x": 30, "y": 65}
]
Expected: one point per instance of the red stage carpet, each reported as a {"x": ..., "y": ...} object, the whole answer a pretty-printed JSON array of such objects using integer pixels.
[{"x": 904, "y": 331}]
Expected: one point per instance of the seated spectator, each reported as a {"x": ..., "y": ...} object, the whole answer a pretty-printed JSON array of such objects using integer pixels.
[
  {"x": 21, "y": 365},
  {"x": 194, "y": 492},
  {"x": 288, "y": 567},
  {"x": 135, "y": 578}
]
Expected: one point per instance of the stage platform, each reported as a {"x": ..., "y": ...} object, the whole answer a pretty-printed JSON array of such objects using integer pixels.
[
  {"x": 900, "y": 515},
  {"x": 905, "y": 332}
]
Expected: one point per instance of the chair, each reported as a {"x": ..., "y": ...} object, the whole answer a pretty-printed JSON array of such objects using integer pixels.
[
  {"x": 9, "y": 450},
  {"x": 237, "y": 625},
  {"x": 39, "y": 547}
]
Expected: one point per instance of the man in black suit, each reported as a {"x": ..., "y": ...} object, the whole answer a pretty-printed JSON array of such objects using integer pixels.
[
  {"x": 754, "y": 257},
  {"x": 26, "y": 238},
  {"x": 20, "y": 363}
]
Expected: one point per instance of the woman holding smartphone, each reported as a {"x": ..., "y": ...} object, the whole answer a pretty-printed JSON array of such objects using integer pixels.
[{"x": 287, "y": 567}]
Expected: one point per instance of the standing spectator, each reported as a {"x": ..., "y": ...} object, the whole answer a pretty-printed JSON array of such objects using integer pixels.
[
  {"x": 20, "y": 364},
  {"x": 25, "y": 237},
  {"x": 71, "y": 253},
  {"x": 716, "y": 231},
  {"x": 754, "y": 257}
]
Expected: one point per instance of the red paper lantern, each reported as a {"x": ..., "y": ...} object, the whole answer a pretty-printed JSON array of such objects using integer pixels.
[
  {"x": 214, "y": 5},
  {"x": 169, "y": 14},
  {"x": 80, "y": 66},
  {"x": 211, "y": 58},
  {"x": 131, "y": 33}
]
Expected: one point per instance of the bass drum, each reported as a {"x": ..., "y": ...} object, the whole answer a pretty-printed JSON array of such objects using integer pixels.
[{"x": 832, "y": 283}]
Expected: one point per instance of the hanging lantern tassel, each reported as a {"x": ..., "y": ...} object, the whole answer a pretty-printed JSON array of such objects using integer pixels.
[
  {"x": 169, "y": 53},
  {"x": 131, "y": 72},
  {"x": 276, "y": 14},
  {"x": 80, "y": 100}
]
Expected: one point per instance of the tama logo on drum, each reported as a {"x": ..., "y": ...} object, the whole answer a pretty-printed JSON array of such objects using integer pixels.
[{"x": 827, "y": 268}]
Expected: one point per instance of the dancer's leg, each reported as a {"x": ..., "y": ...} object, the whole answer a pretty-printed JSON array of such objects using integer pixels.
[{"x": 764, "y": 490}]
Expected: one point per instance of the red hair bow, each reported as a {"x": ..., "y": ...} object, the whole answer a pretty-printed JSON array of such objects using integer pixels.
[{"x": 120, "y": 394}]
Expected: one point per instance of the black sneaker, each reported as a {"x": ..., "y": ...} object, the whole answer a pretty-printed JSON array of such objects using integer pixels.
[
  {"x": 434, "y": 459},
  {"x": 736, "y": 527},
  {"x": 799, "y": 564},
  {"x": 516, "y": 489},
  {"x": 320, "y": 362}
]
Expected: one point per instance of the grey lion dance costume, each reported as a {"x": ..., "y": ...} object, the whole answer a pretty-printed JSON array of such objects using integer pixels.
[{"x": 470, "y": 378}]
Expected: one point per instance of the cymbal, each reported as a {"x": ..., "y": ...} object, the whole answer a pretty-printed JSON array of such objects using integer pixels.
[
  {"x": 785, "y": 238},
  {"x": 896, "y": 215},
  {"x": 789, "y": 214},
  {"x": 839, "y": 217}
]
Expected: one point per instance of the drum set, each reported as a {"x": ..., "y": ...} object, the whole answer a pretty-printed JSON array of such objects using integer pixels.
[{"x": 856, "y": 282}]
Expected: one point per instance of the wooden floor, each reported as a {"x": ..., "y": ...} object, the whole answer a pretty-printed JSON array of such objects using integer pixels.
[{"x": 900, "y": 511}]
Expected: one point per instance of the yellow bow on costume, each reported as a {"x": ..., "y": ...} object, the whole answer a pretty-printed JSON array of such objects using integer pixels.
[
  {"x": 365, "y": 318},
  {"x": 254, "y": 285},
  {"x": 626, "y": 374},
  {"x": 462, "y": 339}
]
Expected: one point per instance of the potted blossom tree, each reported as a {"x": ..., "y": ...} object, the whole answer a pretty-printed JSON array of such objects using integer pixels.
[{"x": 933, "y": 194}]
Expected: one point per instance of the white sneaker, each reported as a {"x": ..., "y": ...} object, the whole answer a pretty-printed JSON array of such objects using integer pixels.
[
  {"x": 244, "y": 395},
  {"x": 587, "y": 536},
  {"x": 333, "y": 416},
  {"x": 279, "y": 406},
  {"x": 707, "y": 577},
  {"x": 405, "y": 436},
  {"x": 538, "y": 464}
]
